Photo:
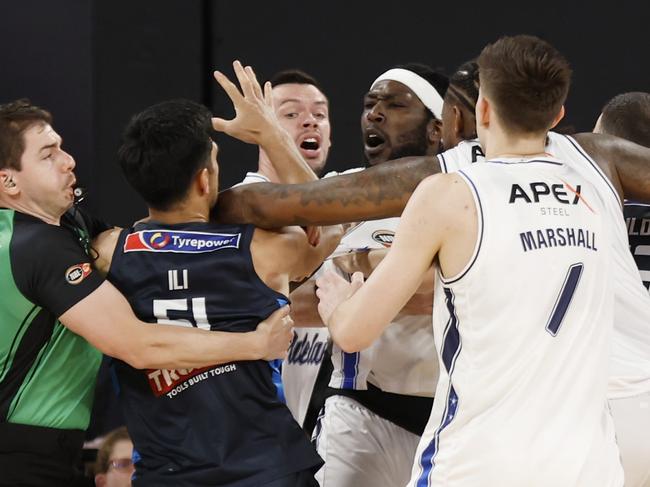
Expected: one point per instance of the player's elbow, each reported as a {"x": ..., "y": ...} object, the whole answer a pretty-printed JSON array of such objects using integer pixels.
[
  {"x": 135, "y": 357},
  {"x": 124, "y": 352},
  {"x": 351, "y": 344},
  {"x": 139, "y": 351},
  {"x": 347, "y": 339}
]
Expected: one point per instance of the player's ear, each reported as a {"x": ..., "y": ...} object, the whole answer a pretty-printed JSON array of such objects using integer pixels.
[
  {"x": 434, "y": 131},
  {"x": 203, "y": 181},
  {"x": 483, "y": 111},
  {"x": 7, "y": 183},
  {"x": 558, "y": 117},
  {"x": 459, "y": 122}
]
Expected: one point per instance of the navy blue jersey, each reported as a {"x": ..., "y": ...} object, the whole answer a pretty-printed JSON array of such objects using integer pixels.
[
  {"x": 637, "y": 219},
  {"x": 219, "y": 425}
]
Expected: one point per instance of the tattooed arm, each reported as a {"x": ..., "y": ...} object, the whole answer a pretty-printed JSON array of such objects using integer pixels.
[
  {"x": 378, "y": 192},
  {"x": 626, "y": 164}
]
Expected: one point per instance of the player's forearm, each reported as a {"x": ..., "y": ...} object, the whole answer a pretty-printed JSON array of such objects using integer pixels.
[
  {"x": 350, "y": 327},
  {"x": 363, "y": 261},
  {"x": 289, "y": 165},
  {"x": 632, "y": 163},
  {"x": 158, "y": 347},
  {"x": 378, "y": 192},
  {"x": 304, "y": 305},
  {"x": 626, "y": 164},
  {"x": 421, "y": 303},
  {"x": 309, "y": 257}
]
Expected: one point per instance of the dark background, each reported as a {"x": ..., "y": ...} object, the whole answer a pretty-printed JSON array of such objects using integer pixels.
[{"x": 93, "y": 63}]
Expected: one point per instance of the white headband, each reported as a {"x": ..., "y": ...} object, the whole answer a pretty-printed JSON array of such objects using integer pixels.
[{"x": 424, "y": 90}]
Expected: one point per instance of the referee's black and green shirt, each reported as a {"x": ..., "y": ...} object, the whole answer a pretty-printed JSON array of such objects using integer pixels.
[{"x": 47, "y": 373}]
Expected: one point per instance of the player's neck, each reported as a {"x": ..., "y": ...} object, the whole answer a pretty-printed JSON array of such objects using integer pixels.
[
  {"x": 181, "y": 213},
  {"x": 502, "y": 144},
  {"x": 265, "y": 168}
]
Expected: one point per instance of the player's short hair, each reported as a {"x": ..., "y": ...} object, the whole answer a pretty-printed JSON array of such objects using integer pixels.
[
  {"x": 163, "y": 148},
  {"x": 628, "y": 116},
  {"x": 527, "y": 80},
  {"x": 15, "y": 118},
  {"x": 436, "y": 78},
  {"x": 463, "y": 85},
  {"x": 294, "y": 76}
]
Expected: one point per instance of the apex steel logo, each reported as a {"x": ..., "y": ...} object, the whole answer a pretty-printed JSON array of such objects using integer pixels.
[
  {"x": 540, "y": 191},
  {"x": 180, "y": 242}
]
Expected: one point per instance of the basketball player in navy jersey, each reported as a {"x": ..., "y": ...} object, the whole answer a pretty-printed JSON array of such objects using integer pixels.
[
  {"x": 220, "y": 425},
  {"x": 628, "y": 116},
  {"x": 517, "y": 403}
]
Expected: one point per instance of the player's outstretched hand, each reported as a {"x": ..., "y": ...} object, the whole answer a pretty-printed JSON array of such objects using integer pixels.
[
  {"x": 254, "y": 115},
  {"x": 276, "y": 333},
  {"x": 332, "y": 290}
]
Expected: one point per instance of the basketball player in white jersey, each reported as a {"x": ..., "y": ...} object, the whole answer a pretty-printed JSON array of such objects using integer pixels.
[
  {"x": 523, "y": 306},
  {"x": 302, "y": 112},
  {"x": 628, "y": 116},
  {"x": 380, "y": 398}
]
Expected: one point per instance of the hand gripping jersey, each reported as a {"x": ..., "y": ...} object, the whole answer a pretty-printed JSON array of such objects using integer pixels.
[
  {"x": 523, "y": 333},
  {"x": 399, "y": 361},
  {"x": 218, "y": 425},
  {"x": 629, "y": 373}
]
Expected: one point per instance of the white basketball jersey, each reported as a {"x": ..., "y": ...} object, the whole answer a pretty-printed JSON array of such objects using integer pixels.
[
  {"x": 629, "y": 373},
  {"x": 306, "y": 353},
  {"x": 400, "y": 360},
  {"x": 524, "y": 335},
  {"x": 253, "y": 177}
]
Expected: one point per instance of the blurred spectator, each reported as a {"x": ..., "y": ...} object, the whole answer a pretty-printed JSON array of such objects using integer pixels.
[{"x": 114, "y": 466}]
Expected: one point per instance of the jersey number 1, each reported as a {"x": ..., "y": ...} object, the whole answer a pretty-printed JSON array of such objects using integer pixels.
[{"x": 564, "y": 298}]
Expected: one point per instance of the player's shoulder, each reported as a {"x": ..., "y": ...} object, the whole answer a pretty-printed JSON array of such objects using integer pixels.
[
  {"x": 104, "y": 244},
  {"x": 439, "y": 189},
  {"x": 33, "y": 234},
  {"x": 292, "y": 235},
  {"x": 466, "y": 153}
]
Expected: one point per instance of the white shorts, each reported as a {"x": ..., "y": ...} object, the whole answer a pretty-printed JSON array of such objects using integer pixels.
[
  {"x": 361, "y": 449},
  {"x": 632, "y": 422}
]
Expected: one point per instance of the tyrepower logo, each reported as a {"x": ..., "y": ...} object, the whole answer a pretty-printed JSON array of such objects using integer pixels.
[
  {"x": 180, "y": 242},
  {"x": 77, "y": 273}
]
